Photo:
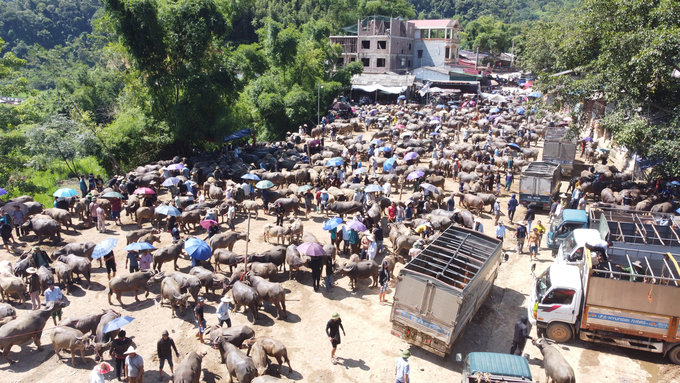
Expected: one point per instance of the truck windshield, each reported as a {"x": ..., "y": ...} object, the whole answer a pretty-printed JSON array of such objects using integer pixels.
[
  {"x": 543, "y": 285},
  {"x": 556, "y": 223},
  {"x": 568, "y": 245}
]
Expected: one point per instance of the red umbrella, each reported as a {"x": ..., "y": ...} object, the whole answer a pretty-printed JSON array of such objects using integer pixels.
[
  {"x": 144, "y": 191},
  {"x": 207, "y": 223}
]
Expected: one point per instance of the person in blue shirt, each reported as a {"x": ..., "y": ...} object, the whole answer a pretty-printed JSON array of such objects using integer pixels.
[
  {"x": 83, "y": 186},
  {"x": 512, "y": 207},
  {"x": 408, "y": 214}
]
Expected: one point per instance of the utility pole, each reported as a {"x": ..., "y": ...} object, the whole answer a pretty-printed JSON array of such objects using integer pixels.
[
  {"x": 512, "y": 59},
  {"x": 477, "y": 59},
  {"x": 318, "y": 105}
]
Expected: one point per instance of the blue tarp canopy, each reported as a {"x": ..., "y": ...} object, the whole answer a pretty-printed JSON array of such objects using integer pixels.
[{"x": 237, "y": 135}]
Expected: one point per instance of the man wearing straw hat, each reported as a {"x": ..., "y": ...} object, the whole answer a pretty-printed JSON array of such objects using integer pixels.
[
  {"x": 333, "y": 332},
  {"x": 34, "y": 287},
  {"x": 134, "y": 366},
  {"x": 223, "y": 311},
  {"x": 403, "y": 370}
]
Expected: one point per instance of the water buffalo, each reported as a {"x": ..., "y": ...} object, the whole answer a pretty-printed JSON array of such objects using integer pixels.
[
  {"x": 270, "y": 292},
  {"x": 207, "y": 278},
  {"x": 557, "y": 369},
  {"x": 276, "y": 255},
  {"x": 134, "y": 236},
  {"x": 288, "y": 204},
  {"x": 235, "y": 335},
  {"x": 264, "y": 270},
  {"x": 247, "y": 297},
  {"x": 273, "y": 348},
  {"x": 189, "y": 369},
  {"x": 188, "y": 283},
  {"x": 105, "y": 339},
  {"x": 81, "y": 249},
  {"x": 226, "y": 240},
  {"x": 170, "y": 290},
  {"x": 27, "y": 327},
  {"x": 63, "y": 272},
  {"x": 342, "y": 208},
  {"x": 79, "y": 266},
  {"x": 132, "y": 282},
  {"x": 44, "y": 227},
  {"x": 189, "y": 217},
  {"x": 295, "y": 260},
  {"x": 46, "y": 278},
  {"x": 13, "y": 285},
  {"x": 226, "y": 257},
  {"x": 251, "y": 206},
  {"x": 168, "y": 254},
  {"x": 60, "y": 215},
  {"x": 278, "y": 232},
  {"x": 7, "y": 311},
  {"x": 487, "y": 199},
  {"x": 85, "y": 323},
  {"x": 259, "y": 358},
  {"x": 360, "y": 270},
  {"x": 238, "y": 364},
  {"x": 69, "y": 338},
  {"x": 404, "y": 242},
  {"x": 470, "y": 202}
]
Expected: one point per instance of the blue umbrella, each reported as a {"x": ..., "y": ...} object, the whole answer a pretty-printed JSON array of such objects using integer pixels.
[
  {"x": 384, "y": 149},
  {"x": 104, "y": 247},
  {"x": 434, "y": 134},
  {"x": 389, "y": 164},
  {"x": 117, "y": 323},
  {"x": 373, "y": 188},
  {"x": 170, "y": 181},
  {"x": 332, "y": 223},
  {"x": 250, "y": 177},
  {"x": 521, "y": 110},
  {"x": 494, "y": 110},
  {"x": 334, "y": 162},
  {"x": 197, "y": 249},
  {"x": 535, "y": 94},
  {"x": 3, "y": 191},
  {"x": 65, "y": 192},
  {"x": 136, "y": 246},
  {"x": 402, "y": 97},
  {"x": 168, "y": 210},
  {"x": 514, "y": 146},
  {"x": 377, "y": 142}
]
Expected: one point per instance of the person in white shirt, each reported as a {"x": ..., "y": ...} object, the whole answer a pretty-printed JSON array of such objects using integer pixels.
[
  {"x": 403, "y": 370},
  {"x": 53, "y": 294},
  {"x": 223, "y": 311},
  {"x": 246, "y": 190},
  {"x": 387, "y": 188},
  {"x": 231, "y": 214}
]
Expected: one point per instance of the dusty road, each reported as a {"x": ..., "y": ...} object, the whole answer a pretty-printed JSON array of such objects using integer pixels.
[{"x": 367, "y": 353}]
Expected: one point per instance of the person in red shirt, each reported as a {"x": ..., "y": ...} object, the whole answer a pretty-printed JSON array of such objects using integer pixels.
[
  {"x": 116, "y": 205},
  {"x": 392, "y": 212}
]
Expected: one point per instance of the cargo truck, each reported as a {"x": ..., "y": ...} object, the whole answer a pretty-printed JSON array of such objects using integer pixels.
[
  {"x": 577, "y": 296},
  {"x": 629, "y": 226},
  {"x": 559, "y": 150},
  {"x": 439, "y": 291},
  {"x": 538, "y": 182}
]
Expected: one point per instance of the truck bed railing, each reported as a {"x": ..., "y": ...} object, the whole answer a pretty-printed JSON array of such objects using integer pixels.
[
  {"x": 634, "y": 227},
  {"x": 657, "y": 269},
  {"x": 454, "y": 257}
]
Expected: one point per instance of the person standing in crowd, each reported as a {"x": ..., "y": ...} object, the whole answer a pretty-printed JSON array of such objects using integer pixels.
[
  {"x": 134, "y": 366},
  {"x": 353, "y": 241},
  {"x": 533, "y": 244},
  {"x": 512, "y": 207},
  {"x": 117, "y": 351},
  {"x": 520, "y": 336},
  {"x": 164, "y": 349},
  {"x": 520, "y": 235},
  {"x": 39, "y": 258},
  {"x": 145, "y": 260},
  {"x": 110, "y": 262},
  {"x": 175, "y": 232},
  {"x": 329, "y": 274},
  {"x": 18, "y": 220},
  {"x": 500, "y": 231},
  {"x": 477, "y": 226},
  {"x": 316, "y": 265},
  {"x": 53, "y": 294},
  {"x": 280, "y": 213},
  {"x": 231, "y": 214},
  {"x": 99, "y": 370},
  {"x": 541, "y": 230},
  {"x": 383, "y": 279},
  {"x": 309, "y": 202},
  {"x": 403, "y": 370},
  {"x": 6, "y": 234},
  {"x": 529, "y": 217},
  {"x": 101, "y": 219},
  {"x": 200, "y": 318},
  {"x": 116, "y": 206},
  {"x": 83, "y": 186},
  {"x": 333, "y": 328},
  {"x": 496, "y": 211},
  {"x": 133, "y": 257},
  {"x": 553, "y": 209},
  {"x": 34, "y": 287},
  {"x": 223, "y": 311}
]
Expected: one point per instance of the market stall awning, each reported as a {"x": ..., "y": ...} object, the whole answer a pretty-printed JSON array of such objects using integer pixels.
[{"x": 384, "y": 89}]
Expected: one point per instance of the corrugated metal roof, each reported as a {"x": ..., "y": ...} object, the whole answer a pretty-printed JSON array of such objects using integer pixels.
[
  {"x": 438, "y": 23},
  {"x": 499, "y": 364},
  {"x": 385, "y": 79}
]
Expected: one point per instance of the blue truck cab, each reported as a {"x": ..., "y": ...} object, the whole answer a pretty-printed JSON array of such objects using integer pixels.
[
  {"x": 568, "y": 221},
  {"x": 494, "y": 367}
]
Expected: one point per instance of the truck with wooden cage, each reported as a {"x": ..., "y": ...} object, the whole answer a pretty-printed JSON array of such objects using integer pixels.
[
  {"x": 439, "y": 291},
  {"x": 626, "y": 299},
  {"x": 559, "y": 150}
]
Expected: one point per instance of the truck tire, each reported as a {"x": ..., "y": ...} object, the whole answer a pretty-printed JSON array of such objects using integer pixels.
[
  {"x": 674, "y": 355},
  {"x": 559, "y": 332}
]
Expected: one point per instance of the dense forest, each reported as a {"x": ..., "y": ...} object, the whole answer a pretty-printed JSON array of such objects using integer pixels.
[{"x": 110, "y": 84}]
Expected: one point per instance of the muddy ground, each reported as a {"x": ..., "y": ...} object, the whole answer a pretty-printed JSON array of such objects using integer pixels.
[{"x": 367, "y": 353}]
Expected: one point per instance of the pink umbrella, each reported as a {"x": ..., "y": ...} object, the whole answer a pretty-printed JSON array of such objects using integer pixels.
[
  {"x": 410, "y": 156},
  {"x": 144, "y": 191},
  {"x": 356, "y": 225},
  {"x": 207, "y": 223},
  {"x": 399, "y": 126},
  {"x": 176, "y": 167},
  {"x": 312, "y": 249}
]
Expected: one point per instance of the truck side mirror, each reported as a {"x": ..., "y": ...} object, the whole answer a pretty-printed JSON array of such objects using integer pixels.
[
  {"x": 526, "y": 356},
  {"x": 459, "y": 357}
]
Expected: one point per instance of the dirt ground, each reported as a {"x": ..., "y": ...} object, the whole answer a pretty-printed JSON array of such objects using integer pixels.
[{"x": 367, "y": 353}]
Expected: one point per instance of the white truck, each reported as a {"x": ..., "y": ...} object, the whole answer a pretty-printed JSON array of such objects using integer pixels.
[{"x": 612, "y": 302}]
